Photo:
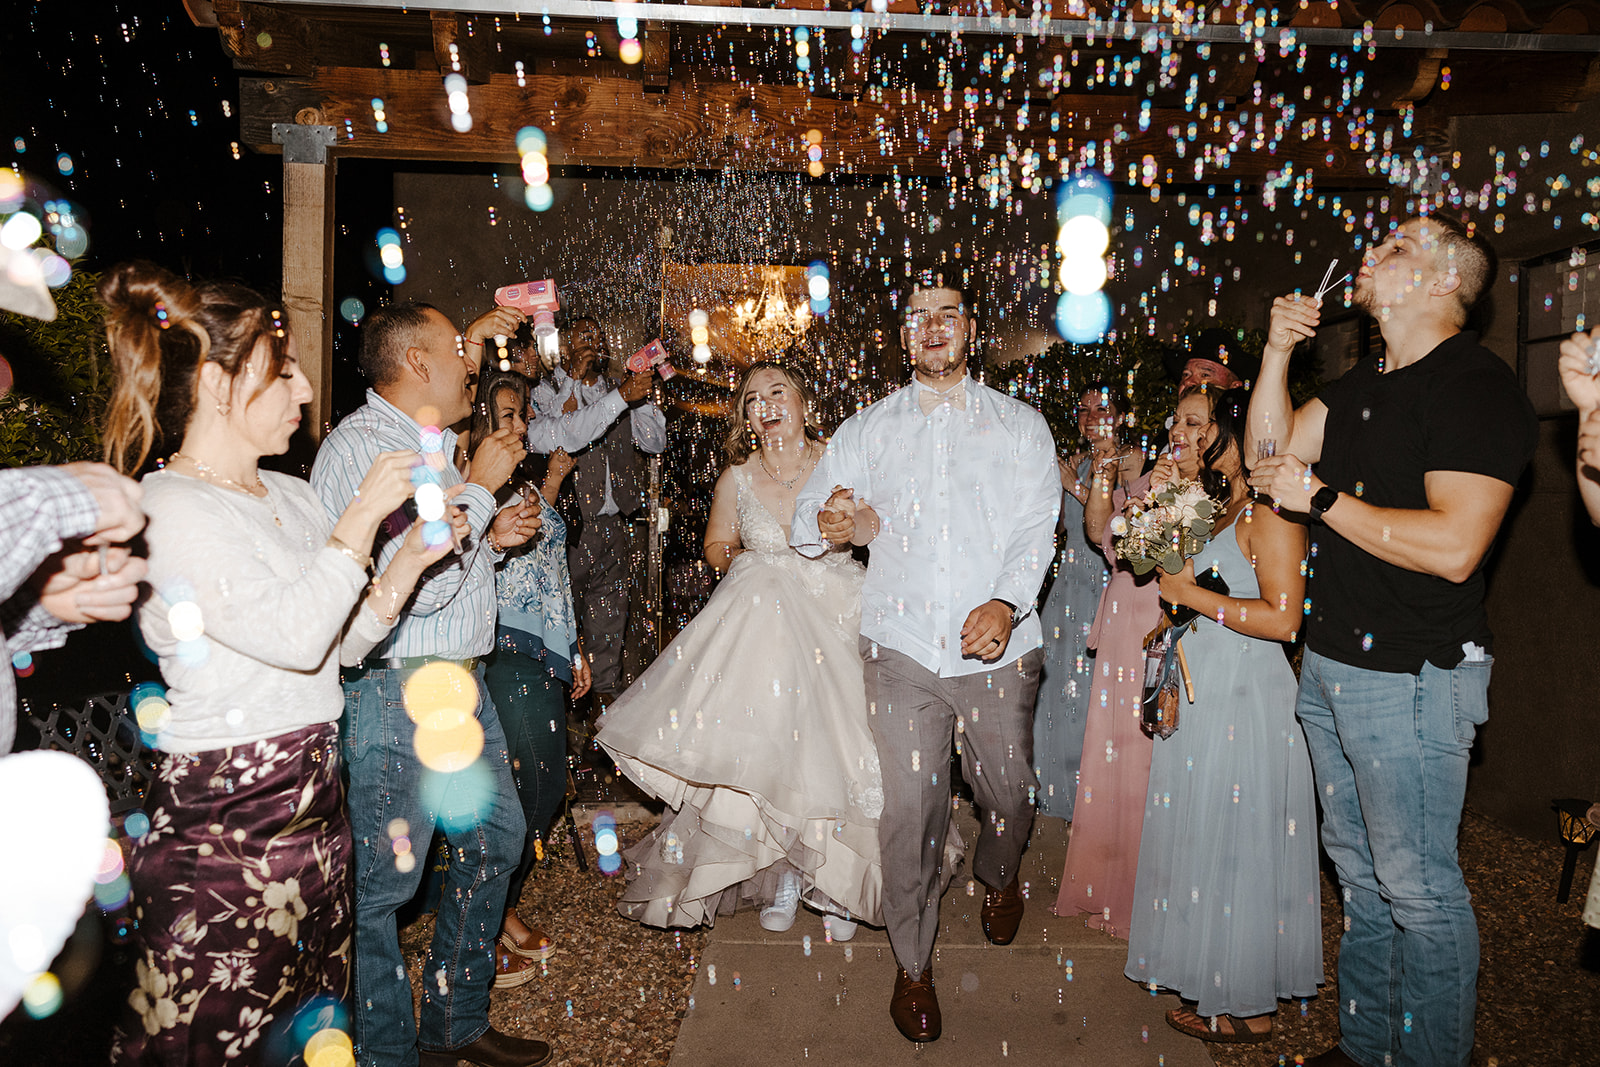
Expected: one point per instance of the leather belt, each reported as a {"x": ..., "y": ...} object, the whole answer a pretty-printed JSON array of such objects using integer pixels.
[{"x": 407, "y": 663}]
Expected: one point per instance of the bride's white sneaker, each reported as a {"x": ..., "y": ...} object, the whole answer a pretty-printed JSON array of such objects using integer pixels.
[
  {"x": 838, "y": 927},
  {"x": 779, "y": 915}
]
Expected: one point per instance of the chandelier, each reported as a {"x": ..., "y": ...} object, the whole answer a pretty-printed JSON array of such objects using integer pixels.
[{"x": 767, "y": 319}]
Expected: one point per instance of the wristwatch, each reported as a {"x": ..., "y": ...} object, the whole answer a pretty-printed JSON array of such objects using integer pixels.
[
  {"x": 1017, "y": 614},
  {"x": 1321, "y": 501}
]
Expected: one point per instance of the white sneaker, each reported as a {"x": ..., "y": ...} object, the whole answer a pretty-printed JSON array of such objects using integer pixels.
[
  {"x": 838, "y": 927},
  {"x": 779, "y": 915}
]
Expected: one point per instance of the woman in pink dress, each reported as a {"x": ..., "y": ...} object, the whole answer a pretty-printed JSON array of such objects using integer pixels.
[{"x": 1103, "y": 852}]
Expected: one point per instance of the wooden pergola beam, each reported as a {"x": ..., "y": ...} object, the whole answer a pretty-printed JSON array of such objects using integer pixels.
[{"x": 608, "y": 121}]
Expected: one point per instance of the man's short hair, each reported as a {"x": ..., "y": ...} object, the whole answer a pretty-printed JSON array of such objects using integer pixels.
[
  {"x": 386, "y": 335},
  {"x": 946, "y": 276},
  {"x": 1466, "y": 255}
]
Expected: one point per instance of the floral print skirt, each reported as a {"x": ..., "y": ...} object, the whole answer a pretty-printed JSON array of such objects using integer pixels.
[{"x": 241, "y": 894}]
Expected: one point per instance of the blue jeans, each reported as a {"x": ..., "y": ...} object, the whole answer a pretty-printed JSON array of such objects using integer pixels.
[
  {"x": 1390, "y": 756},
  {"x": 532, "y": 703},
  {"x": 482, "y": 821}
]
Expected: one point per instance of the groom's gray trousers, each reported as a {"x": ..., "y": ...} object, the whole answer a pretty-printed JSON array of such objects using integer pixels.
[{"x": 915, "y": 715}]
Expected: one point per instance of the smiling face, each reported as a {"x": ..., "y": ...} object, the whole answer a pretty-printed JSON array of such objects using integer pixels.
[
  {"x": 938, "y": 333},
  {"x": 268, "y": 419},
  {"x": 1097, "y": 419},
  {"x": 774, "y": 409},
  {"x": 1191, "y": 433},
  {"x": 508, "y": 411},
  {"x": 1206, "y": 372},
  {"x": 451, "y": 367}
]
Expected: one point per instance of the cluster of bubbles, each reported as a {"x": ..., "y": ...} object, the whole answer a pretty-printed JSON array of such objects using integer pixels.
[
  {"x": 1083, "y": 209},
  {"x": 392, "y": 256},
  {"x": 630, "y": 51},
  {"x": 27, "y": 221},
  {"x": 455, "y": 87},
  {"x": 533, "y": 148},
  {"x": 819, "y": 287},
  {"x": 606, "y": 842}
]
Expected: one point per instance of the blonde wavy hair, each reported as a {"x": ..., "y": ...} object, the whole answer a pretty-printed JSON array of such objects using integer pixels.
[{"x": 742, "y": 440}]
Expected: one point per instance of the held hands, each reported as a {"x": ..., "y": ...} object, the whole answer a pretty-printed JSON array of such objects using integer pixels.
[
  {"x": 117, "y": 498},
  {"x": 496, "y": 459},
  {"x": 1287, "y": 481},
  {"x": 517, "y": 523},
  {"x": 1295, "y": 318},
  {"x": 71, "y": 587},
  {"x": 837, "y": 520},
  {"x": 1175, "y": 588},
  {"x": 987, "y": 631},
  {"x": 1583, "y": 388},
  {"x": 500, "y": 321}
]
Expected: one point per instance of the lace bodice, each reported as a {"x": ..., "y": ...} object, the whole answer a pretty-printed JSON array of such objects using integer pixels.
[
  {"x": 835, "y": 579},
  {"x": 759, "y": 529}
]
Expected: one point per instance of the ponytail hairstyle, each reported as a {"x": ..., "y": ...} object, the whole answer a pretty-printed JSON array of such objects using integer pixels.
[{"x": 161, "y": 330}]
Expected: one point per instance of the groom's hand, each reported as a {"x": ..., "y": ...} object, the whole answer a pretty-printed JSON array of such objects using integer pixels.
[
  {"x": 837, "y": 519},
  {"x": 987, "y": 631}
]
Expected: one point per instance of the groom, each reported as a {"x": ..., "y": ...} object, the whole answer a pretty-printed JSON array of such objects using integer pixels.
[{"x": 954, "y": 487}]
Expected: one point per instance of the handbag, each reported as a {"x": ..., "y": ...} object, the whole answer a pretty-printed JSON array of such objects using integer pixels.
[{"x": 1158, "y": 708}]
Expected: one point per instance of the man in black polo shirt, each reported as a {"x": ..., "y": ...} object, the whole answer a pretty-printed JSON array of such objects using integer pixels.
[{"x": 1416, "y": 454}]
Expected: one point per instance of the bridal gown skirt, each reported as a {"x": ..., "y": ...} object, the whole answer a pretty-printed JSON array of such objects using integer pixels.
[{"x": 752, "y": 727}]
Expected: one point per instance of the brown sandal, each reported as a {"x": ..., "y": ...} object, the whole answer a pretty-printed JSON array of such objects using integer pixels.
[{"x": 1219, "y": 1029}]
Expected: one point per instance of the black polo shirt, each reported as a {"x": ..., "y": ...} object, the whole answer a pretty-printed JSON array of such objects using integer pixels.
[{"x": 1459, "y": 408}]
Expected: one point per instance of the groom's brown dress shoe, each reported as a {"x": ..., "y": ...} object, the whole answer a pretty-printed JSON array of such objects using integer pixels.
[
  {"x": 1002, "y": 913},
  {"x": 915, "y": 1007}
]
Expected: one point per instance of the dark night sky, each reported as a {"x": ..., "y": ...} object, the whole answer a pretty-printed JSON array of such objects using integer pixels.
[{"x": 146, "y": 105}]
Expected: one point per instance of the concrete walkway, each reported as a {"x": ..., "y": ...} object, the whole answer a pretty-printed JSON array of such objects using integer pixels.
[{"x": 1055, "y": 995}]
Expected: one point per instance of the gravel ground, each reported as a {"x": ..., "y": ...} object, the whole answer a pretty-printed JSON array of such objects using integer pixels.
[
  {"x": 628, "y": 986},
  {"x": 1539, "y": 982},
  {"x": 1538, "y": 991},
  {"x": 614, "y": 992}
]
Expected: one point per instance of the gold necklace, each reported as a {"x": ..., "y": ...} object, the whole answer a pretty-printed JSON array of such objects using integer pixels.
[
  {"x": 258, "y": 491},
  {"x": 761, "y": 459}
]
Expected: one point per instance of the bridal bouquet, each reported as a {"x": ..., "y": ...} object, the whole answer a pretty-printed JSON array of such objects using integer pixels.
[{"x": 1168, "y": 526}]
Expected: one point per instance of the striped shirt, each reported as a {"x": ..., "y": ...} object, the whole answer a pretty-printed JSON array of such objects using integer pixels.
[
  {"x": 452, "y": 612},
  {"x": 39, "y": 508}
]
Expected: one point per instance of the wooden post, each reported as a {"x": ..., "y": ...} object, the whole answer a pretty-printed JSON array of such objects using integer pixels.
[{"x": 308, "y": 259}]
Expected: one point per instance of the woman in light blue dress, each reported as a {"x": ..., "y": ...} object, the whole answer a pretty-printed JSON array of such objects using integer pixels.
[
  {"x": 1080, "y": 577},
  {"x": 1227, "y": 906}
]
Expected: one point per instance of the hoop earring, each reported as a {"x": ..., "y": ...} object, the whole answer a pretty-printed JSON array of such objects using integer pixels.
[{"x": 223, "y": 409}]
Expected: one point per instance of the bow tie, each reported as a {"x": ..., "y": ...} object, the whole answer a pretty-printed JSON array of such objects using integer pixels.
[{"x": 955, "y": 396}]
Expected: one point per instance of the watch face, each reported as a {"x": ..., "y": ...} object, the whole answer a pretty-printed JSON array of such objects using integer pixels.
[{"x": 1324, "y": 499}]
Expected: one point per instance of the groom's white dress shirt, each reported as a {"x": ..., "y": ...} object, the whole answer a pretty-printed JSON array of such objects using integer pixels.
[{"x": 968, "y": 499}]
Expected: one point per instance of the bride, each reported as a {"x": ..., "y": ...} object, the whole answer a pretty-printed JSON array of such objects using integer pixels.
[{"x": 752, "y": 724}]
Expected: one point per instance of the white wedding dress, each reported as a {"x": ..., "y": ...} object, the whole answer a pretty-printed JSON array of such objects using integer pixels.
[{"x": 752, "y": 727}]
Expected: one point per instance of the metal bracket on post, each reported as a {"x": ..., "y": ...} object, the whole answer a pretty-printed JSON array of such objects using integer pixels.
[{"x": 303, "y": 144}]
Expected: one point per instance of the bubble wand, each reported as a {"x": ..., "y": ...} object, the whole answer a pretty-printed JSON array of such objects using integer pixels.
[{"x": 1326, "y": 285}]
